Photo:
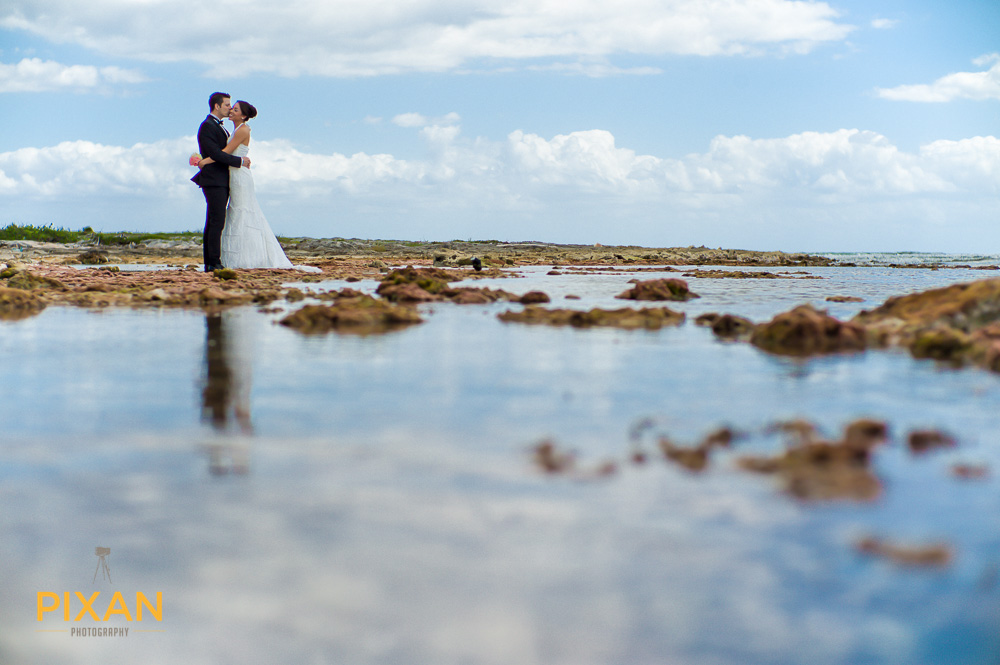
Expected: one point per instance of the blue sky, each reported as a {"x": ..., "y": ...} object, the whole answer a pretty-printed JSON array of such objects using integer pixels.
[{"x": 757, "y": 124}]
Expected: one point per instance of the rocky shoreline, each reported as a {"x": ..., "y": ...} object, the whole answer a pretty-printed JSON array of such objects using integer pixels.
[{"x": 446, "y": 254}]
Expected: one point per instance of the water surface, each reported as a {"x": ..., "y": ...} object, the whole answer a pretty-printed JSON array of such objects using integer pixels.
[{"x": 345, "y": 499}]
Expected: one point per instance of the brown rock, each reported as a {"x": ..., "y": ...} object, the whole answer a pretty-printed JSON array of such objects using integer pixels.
[
  {"x": 669, "y": 288},
  {"x": 18, "y": 304},
  {"x": 649, "y": 318},
  {"x": 693, "y": 459},
  {"x": 844, "y": 299},
  {"x": 970, "y": 471},
  {"x": 534, "y": 298},
  {"x": 814, "y": 470},
  {"x": 363, "y": 315},
  {"x": 922, "y": 441},
  {"x": 965, "y": 307},
  {"x": 476, "y": 296},
  {"x": 940, "y": 342},
  {"x": 27, "y": 280},
  {"x": 866, "y": 433},
  {"x": 805, "y": 331},
  {"x": 93, "y": 257},
  {"x": 407, "y": 292},
  {"x": 550, "y": 459},
  {"x": 729, "y": 326},
  {"x": 937, "y": 554}
]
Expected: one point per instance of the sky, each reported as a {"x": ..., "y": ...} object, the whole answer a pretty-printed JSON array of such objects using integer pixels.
[{"x": 849, "y": 125}]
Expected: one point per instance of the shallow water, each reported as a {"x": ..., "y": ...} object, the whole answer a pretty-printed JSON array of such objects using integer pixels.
[{"x": 343, "y": 499}]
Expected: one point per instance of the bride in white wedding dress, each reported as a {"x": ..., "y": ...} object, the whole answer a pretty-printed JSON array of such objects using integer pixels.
[{"x": 247, "y": 239}]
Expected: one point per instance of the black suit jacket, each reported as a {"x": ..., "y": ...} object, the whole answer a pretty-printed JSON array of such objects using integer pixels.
[{"x": 211, "y": 140}]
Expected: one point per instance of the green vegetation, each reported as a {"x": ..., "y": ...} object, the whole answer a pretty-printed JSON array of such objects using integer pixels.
[{"x": 51, "y": 234}]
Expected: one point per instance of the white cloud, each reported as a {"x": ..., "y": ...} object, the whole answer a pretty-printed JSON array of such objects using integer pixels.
[
  {"x": 884, "y": 23},
  {"x": 566, "y": 186},
  {"x": 35, "y": 75},
  {"x": 371, "y": 37},
  {"x": 962, "y": 85},
  {"x": 419, "y": 120}
]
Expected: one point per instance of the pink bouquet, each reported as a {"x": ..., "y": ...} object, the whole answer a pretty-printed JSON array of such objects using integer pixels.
[{"x": 194, "y": 159}]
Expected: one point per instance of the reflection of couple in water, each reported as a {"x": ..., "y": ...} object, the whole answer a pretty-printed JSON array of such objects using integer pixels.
[{"x": 226, "y": 390}]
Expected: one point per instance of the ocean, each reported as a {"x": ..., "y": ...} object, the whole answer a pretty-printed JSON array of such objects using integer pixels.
[{"x": 374, "y": 499}]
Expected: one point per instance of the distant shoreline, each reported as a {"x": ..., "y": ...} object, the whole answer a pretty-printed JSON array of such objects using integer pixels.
[{"x": 453, "y": 252}]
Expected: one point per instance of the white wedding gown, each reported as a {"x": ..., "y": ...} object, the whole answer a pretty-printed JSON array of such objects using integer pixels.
[{"x": 247, "y": 239}]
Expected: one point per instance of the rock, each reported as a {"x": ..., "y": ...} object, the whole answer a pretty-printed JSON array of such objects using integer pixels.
[
  {"x": 402, "y": 285},
  {"x": 409, "y": 293},
  {"x": 16, "y": 304},
  {"x": 844, "y": 299},
  {"x": 866, "y": 433},
  {"x": 215, "y": 296},
  {"x": 362, "y": 316},
  {"x": 729, "y": 326},
  {"x": 534, "y": 298},
  {"x": 965, "y": 307},
  {"x": 93, "y": 257},
  {"x": 28, "y": 281},
  {"x": 815, "y": 470},
  {"x": 669, "y": 288},
  {"x": 970, "y": 471},
  {"x": 937, "y": 554},
  {"x": 940, "y": 342},
  {"x": 923, "y": 441},
  {"x": 550, "y": 459},
  {"x": 648, "y": 318},
  {"x": 476, "y": 296},
  {"x": 693, "y": 459},
  {"x": 225, "y": 274},
  {"x": 805, "y": 331}
]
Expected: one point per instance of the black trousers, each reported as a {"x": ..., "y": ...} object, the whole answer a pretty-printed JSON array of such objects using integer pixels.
[{"x": 216, "y": 200}]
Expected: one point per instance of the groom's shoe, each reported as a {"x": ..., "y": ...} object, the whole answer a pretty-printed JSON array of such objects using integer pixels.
[{"x": 213, "y": 268}]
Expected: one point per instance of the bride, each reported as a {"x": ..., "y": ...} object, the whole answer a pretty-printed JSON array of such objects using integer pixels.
[{"x": 247, "y": 239}]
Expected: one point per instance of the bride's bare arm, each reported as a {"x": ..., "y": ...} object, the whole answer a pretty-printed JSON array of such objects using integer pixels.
[{"x": 234, "y": 142}]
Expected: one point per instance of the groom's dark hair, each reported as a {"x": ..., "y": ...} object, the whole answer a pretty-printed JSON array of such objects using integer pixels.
[{"x": 216, "y": 99}]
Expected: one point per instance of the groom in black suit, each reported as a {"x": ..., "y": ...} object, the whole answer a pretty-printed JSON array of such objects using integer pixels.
[{"x": 214, "y": 178}]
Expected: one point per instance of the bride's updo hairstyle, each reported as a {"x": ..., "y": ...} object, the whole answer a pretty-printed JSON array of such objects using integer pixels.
[{"x": 247, "y": 109}]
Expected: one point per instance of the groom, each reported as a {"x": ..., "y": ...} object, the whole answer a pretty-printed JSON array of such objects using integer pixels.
[{"x": 214, "y": 178}]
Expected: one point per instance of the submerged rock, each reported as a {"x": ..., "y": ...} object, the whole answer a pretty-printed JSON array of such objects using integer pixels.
[
  {"x": 806, "y": 331},
  {"x": 552, "y": 460},
  {"x": 727, "y": 326},
  {"x": 936, "y": 554},
  {"x": 669, "y": 288},
  {"x": 649, "y": 318},
  {"x": 534, "y": 298},
  {"x": 18, "y": 304},
  {"x": 923, "y": 441},
  {"x": 815, "y": 470},
  {"x": 363, "y": 315}
]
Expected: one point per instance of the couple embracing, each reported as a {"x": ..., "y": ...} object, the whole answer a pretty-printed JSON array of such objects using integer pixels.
[{"x": 237, "y": 234}]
